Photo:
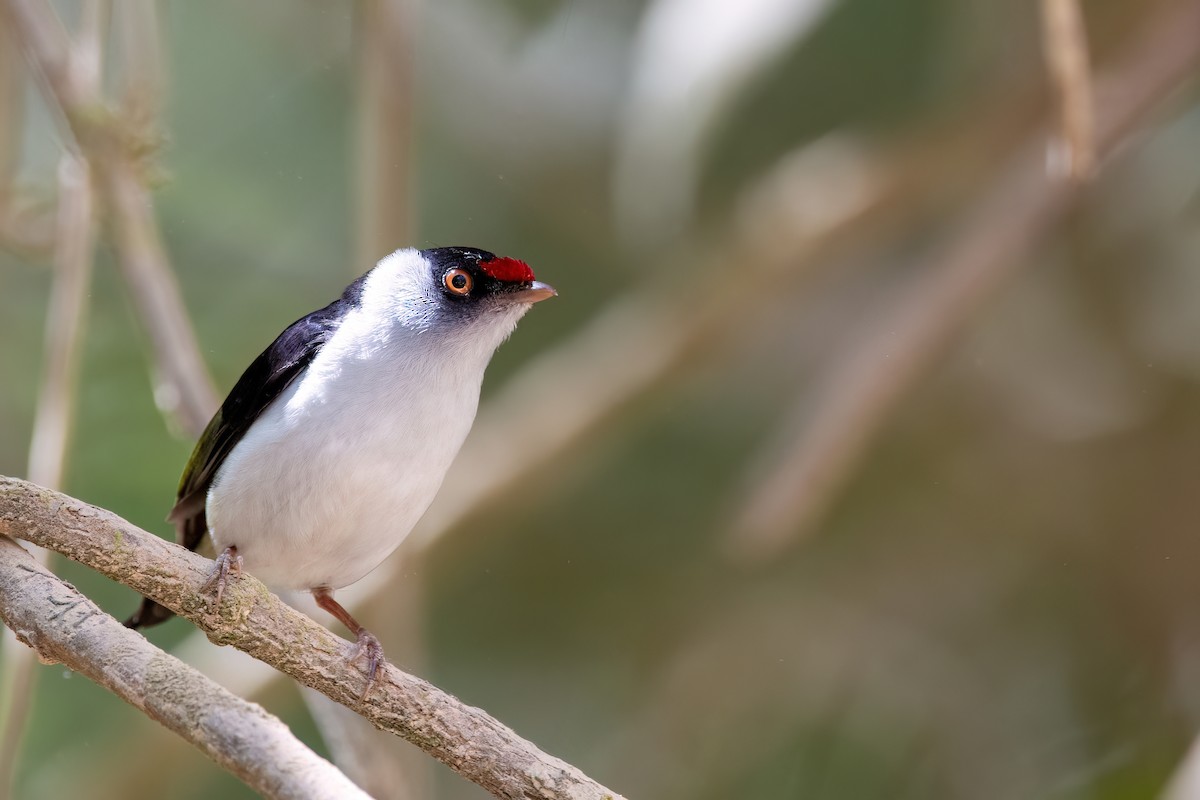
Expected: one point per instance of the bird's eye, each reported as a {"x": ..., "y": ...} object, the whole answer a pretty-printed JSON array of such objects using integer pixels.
[{"x": 458, "y": 281}]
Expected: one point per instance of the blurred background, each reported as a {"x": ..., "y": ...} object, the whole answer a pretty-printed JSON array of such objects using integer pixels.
[{"x": 857, "y": 458}]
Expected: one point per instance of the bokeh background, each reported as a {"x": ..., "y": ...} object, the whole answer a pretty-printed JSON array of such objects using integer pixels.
[{"x": 858, "y": 457}]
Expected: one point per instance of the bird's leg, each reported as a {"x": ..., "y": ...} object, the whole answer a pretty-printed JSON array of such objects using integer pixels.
[
  {"x": 368, "y": 645},
  {"x": 229, "y": 562}
]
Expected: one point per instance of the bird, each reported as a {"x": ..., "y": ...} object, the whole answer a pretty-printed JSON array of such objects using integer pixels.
[{"x": 337, "y": 437}]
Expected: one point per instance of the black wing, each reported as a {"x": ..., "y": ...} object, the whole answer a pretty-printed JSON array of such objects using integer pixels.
[{"x": 263, "y": 381}]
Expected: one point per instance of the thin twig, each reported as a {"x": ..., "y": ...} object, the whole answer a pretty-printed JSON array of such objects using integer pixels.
[
  {"x": 63, "y": 626},
  {"x": 185, "y": 389},
  {"x": 142, "y": 65},
  {"x": 1064, "y": 41},
  {"x": 65, "y": 323},
  {"x": 822, "y": 447},
  {"x": 252, "y": 619}
]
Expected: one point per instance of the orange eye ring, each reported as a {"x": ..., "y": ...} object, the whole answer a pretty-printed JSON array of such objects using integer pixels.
[{"x": 458, "y": 281}]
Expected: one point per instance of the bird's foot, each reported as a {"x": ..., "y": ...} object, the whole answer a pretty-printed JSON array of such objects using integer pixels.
[
  {"x": 228, "y": 563},
  {"x": 368, "y": 647}
]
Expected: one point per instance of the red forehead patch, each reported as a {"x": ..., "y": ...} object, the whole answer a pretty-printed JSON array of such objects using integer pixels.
[{"x": 509, "y": 270}]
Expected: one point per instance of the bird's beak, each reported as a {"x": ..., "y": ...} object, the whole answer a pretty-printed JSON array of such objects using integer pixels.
[{"x": 533, "y": 293}]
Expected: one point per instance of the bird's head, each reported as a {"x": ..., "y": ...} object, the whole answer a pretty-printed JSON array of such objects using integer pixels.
[
  {"x": 471, "y": 282},
  {"x": 460, "y": 296}
]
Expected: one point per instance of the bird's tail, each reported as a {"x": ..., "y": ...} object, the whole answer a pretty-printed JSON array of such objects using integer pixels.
[
  {"x": 189, "y": 531},
  {"x": 149, "y": 613}
]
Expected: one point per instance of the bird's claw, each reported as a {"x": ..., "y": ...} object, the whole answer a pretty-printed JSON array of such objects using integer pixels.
[
  {"x": 227, "y": 563},
  {"x": 368, "y": 647}
]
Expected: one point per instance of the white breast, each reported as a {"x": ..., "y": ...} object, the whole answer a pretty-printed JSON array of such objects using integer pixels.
[{"x": 337, "y": 470}]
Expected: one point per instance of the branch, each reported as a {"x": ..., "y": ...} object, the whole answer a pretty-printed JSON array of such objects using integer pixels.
[
  {"x": 63, "y": 626},
  {"x": 252, "y": 619}
]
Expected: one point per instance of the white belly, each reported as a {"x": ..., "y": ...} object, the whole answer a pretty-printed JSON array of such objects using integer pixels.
[{"x": 337, "y": 471}]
